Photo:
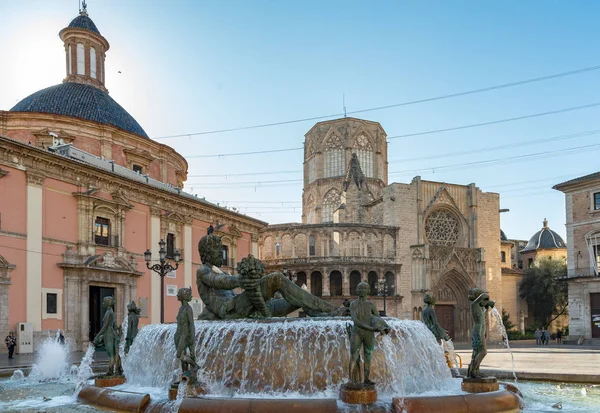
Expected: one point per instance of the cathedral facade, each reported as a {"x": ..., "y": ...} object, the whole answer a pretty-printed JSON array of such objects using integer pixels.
[{"x": 403, "y": 239}]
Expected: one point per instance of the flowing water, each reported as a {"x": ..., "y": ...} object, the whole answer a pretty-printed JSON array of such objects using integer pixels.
[
  {"x": 84, "y": 372},
  {"x": 289, "y": 356},
  {"x": 498, "y": 325},
  {"x": 51, "y": 361}
]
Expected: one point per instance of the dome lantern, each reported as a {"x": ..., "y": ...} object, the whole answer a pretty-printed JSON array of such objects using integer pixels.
[{"x": 85, "y": 50}]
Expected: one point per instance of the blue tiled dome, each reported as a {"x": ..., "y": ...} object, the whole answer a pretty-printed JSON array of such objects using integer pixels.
[
  {"x": 503, "y": 236},
  {"x": 80, "y": 101},
  {"x": 544, "y": 239},
  {"x": 84, "y": 22}
]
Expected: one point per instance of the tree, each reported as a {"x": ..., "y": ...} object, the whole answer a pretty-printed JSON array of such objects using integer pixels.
[
  {"x": 508, "y": 325},
  {"x": 545, "y": 290}
]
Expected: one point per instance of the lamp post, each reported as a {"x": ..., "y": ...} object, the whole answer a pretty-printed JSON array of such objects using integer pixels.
[
  {"x": 162, "y": 269},
  {"x": 384, "y": 290}
]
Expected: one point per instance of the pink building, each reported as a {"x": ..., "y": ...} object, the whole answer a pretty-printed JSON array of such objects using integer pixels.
[{"x": 84, "y": 192}]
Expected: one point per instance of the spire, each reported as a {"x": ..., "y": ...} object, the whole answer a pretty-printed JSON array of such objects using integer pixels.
[
  {"x": 83, "y": 8},
  {"x": 85, "y": 50},
  {"x": 354, "y": 173}
]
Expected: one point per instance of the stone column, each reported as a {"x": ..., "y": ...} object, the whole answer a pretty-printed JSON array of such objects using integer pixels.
[
  {"x": 522, "y": 322},
  {"x": 34, "y": 249},
  {"x": 254, "y": 238},
  {"x": 155, "y": 280},
  {"x": 345, "y": 282},
  {"x": 308, "y": 283},
  {"x": 326, "y": 292},
  {"x": 5, "y": 269},
  {"x": 188, "y": 252}
]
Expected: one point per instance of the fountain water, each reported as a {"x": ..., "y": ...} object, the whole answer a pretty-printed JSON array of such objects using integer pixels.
[
  {"x": 290, "y": 357},
  {"x": 18, "y": 375},
  {"x": 498, "y": 325},
  {"x": 84, "y": 372},
  {"x": 51, "y": 361}
]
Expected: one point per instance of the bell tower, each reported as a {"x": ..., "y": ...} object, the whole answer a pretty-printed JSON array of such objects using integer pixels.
[{"x": 85, "y": 50}]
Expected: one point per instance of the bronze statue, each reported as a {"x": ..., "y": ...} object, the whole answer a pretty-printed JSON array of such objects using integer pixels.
[
  {"x": 108, "y": 335},
  {"x": 430, "y": 319},
  {"x": 366, "y": 323},
  {"x": 259, "y": 299},
  {"x": 185, "y": 336},
  {"x": 133, "y": 320},
  {"x": 480, "y": 302}
]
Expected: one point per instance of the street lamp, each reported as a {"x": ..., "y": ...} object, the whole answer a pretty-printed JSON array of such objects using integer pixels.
[
  {"x": 162, "y": 268},
  {"x": 384, "y": 291}
]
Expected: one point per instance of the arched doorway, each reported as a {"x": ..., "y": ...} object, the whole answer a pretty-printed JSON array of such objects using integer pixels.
[
  {"x": 355, "y": 278},
  {"x": 452, "y": 303},
  {"x": 316, "y": 283},
  {"x": 335, "y": 283},
  {"x": 301, "y": 278},
  {"x": 390, "y": 283},
  {"x": 373, "y": 281}
]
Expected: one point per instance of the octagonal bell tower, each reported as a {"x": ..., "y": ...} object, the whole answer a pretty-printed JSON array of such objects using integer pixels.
[{"x": 345, "y": 168}]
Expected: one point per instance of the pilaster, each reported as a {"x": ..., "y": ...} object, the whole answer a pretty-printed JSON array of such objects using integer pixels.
[{"x": 35, "y": 181}]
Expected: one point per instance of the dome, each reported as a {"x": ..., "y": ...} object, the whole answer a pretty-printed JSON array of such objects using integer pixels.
[
  {"x": 80, "y": 101},
  {"x": 84, "y": 22},
  {"x": 544, "y": 239},
  {"x": 503, "y": 236}
]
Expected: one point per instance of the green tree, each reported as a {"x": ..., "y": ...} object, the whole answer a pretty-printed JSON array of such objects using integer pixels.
[
  {"x": 545, "y": 290},
  {"x": 508, "y": 325}
]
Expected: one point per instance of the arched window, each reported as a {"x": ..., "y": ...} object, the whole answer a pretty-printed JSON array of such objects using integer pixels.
[
  {"x": 331, "y": 202},
  {"x": 93, "y": 62},
  {"x": 80, "y": 59},
  {"x": 334, "y": 158},
  {"x": 301, "y": 279},
  {"x": 373, "y": 282},
  {"x": 311, "y": 245},
  {"x": 335, "y": 283},
  {"x": 354, "y": 281},
  {"x": 316, "y": 284},
  {"x": 364, "y": 152},
  {"x": 70, "y": 59}
]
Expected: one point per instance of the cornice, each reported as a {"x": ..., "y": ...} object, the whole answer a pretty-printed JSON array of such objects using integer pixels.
[
  {"x": 35, "y": 178},
  {"x": 54, "y": 166}
]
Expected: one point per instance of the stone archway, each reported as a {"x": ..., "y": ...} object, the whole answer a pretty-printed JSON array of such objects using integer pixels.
[{"x": 451, "y": 293}]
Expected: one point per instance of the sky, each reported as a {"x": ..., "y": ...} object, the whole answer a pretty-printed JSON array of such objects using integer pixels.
[{"x": 189, "y": 67}]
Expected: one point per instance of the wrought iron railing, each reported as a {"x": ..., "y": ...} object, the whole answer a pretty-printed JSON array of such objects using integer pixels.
[{"x": 109, "y": 241}]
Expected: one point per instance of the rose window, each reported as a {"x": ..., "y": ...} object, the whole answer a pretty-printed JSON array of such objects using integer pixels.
[{"x": 442, "y": 228}]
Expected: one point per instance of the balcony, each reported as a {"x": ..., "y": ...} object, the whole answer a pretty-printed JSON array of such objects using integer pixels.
[
  {"x": 109, "y": 241},
  {"x": 582, "y": 272},
  {"x": 272, "y": 261}
]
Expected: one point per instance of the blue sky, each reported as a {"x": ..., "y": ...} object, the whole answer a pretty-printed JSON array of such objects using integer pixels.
[{"x": 206, "y": 65}]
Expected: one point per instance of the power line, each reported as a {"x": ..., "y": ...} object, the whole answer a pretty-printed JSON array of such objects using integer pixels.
[
  {"x": 494, "y": 122},
  {"x": 396, "y": 105},
  {"x": 446, "y": 155},
  {"x": 510, "y": 159},
  {"x": 454, "y": 128}
]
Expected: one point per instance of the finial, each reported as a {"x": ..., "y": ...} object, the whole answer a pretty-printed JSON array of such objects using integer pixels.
[
  {"x": 545, "y": 223},
  {"x": 83, "y": 8},
  {"x": 344, "y": 103}
]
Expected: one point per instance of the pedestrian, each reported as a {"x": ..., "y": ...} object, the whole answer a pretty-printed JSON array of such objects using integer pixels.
[
  {"x": 547, "y": 336},
  {"x": 543, "y": 336},
  {"x": 559, "y": 337},
  {"x": 11, "y": 342},
  {"x": 538, "y": 336}
]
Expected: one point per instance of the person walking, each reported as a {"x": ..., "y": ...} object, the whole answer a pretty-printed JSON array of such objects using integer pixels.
[
  {"x": 559, "y": 337},
  {"x": 543, "y": 336},
  {"x": 547, "y": 336},
  {"x": 11, "y": 342},
  {"x": 538, "y": 336}
]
